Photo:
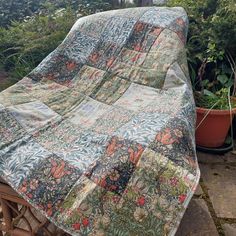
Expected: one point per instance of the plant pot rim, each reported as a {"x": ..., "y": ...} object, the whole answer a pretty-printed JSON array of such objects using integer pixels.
[{"x": 215, "y": 111}]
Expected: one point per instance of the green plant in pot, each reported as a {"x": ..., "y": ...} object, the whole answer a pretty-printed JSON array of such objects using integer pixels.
[
  {"x": 211, "y": 50},
  {"x": 216, "y": 106}
]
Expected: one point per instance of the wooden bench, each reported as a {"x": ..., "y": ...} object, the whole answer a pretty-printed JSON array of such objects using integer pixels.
[{"x": 19, "y": 218}]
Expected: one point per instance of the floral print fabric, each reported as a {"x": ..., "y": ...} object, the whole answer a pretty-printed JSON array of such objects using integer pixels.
[{"x": 100, "y": 136}]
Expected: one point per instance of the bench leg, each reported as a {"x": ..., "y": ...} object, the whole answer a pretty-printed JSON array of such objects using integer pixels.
[{"x": 7, "y": 215}]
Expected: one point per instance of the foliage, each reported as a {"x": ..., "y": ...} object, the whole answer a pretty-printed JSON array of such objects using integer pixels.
[
  {"x": 91, "y": 6},
  {"x": 211, "y": 42},
  {"x": 24, "y": 45},
  {"x": 15, "y": 10},
  {"x": 218, "y": 100},
  {"x": 18, "y": 10}
]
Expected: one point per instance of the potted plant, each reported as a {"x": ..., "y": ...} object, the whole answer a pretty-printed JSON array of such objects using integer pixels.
[
  {"x": 211, "y": 51},
  {"x": 214, "y": 116},
  {"x": 216, "y": 106}
]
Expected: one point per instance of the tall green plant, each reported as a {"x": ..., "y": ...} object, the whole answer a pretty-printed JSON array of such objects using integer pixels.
[
  {"x": 212, "y": 37},
  {"x": 25, "y": 44}
]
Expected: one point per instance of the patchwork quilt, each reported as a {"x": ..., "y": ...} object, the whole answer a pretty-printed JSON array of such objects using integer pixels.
[{"x": 100, "y": 136}]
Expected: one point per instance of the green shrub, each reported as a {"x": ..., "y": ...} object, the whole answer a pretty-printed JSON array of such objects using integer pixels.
[
  {"x": 18, "y": 10},
  {"x": 23, "y": 45},
  {"x": 211, "y": 41}
]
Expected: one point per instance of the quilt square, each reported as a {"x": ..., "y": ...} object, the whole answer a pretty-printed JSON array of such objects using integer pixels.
[
  {"x": 129, "y": 58},
  {"x": 140, "y": 74},
  {"x": 162, "y": 17},
  {"x": 114, "y": 170},
  {"x": 166, "y": 180},
  {"x": 16, "y": 94},
  {"x": 78, "y": 46},
  {"x": 87, "y": 112},
  {"x": 111, "y": 89},
  {"x": 180, "y": 27},
  {"x": 175, "y": 135},
  {"x": 143, "y": 37},
  {"x": 157, "y": 205},
  {"x": 75, "y": 211},
  {"x": 10, "y": 129},
  {"x": 86, "y": 207},
  {"x": 44, "y": 67},
  {"x": 48, "y": 184},
  {"x": 118, "y": 30},
  {"x": 164, "y": 52},
  {"x": 169, "y": 102},
  {"x": 104, "y": 55},
  {"x": 59, "y": 98},
  {"x": 59, "y": 68},
  {"x": 87, "y": 148},
  {"x": 18, "y": 159},
  {"x": 112, "y": 120},
  {"x": 33, "y": 115},
  {"x": 59, "y": 137},
  {"x": 64, "y": 101},
  {"x": 183, "y": 63},
  {"x": 137, "y": 97},
  {"x": 43, "y": 90},
  {"x": 79, "y": 147},
  {"x": 149, "y": 77},
  {"x": 92, "y": 27},
  {"x": 175, "y": 78},
  {"x": 142, "y": 127},
  {"x": 87, "y": 79}
]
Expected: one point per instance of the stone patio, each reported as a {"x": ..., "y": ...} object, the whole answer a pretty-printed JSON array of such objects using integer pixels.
[{"x": 212, "y": 211}]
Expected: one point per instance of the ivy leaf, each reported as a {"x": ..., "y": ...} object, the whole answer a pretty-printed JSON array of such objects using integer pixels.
[
  {"x": 223, "y": 79},
  {"x": 205, "y": 83},
  {"x": 230, "y": 83},
  {"x": 209, "y": 93}
]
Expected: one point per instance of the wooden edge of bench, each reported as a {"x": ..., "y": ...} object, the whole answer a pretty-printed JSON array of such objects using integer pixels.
[{"x": 7, "y": 193}]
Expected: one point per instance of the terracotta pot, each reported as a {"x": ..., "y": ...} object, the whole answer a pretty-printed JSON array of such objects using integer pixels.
[{"x": 214, "y": 128}]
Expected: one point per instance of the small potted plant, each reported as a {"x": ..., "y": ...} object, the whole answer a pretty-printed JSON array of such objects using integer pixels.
[
  {"x": 214, "y": 116},
  {"x": 216, "y": 106}
]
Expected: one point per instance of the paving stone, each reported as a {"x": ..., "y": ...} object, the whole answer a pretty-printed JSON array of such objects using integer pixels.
[
  {"x": 230, "y": 157},
  {"x": 229, "y": 230},
  {"x": 210, "y": 158},
  {"x": 197, "y": 220},
  {"x": 220, "y": 181},
  {"x": 198, "y": 191}
]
